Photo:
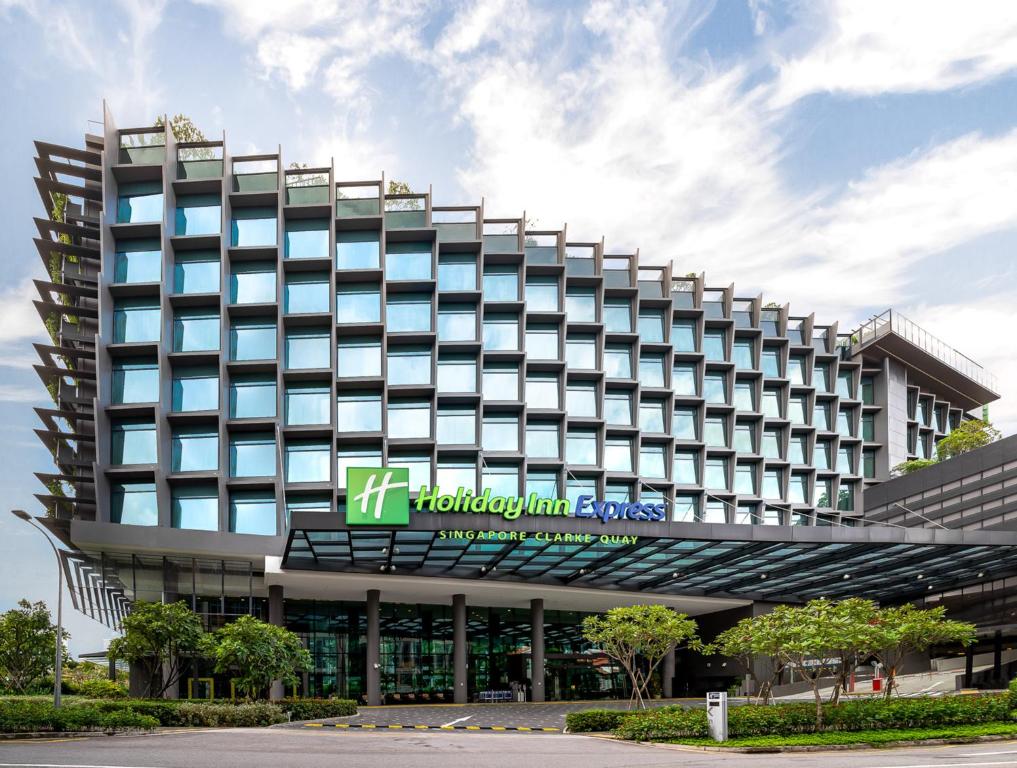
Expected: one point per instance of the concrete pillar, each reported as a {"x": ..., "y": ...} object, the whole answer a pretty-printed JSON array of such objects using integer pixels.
[
  {"x": 537, "y": 649},
  {"x": 969, "y": 664},
  {"x": 460, "y": 650},
  {"x": 667, "y": 675},
  {"x": 373, "y": 647},
  {"x": 997, "y": 656},
  {"x": 276, "y": 616}
]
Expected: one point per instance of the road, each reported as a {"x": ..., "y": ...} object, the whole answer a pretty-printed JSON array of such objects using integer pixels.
[{"x": 314, "y": 748}]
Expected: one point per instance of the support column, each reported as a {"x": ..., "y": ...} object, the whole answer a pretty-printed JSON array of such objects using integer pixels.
[
  {"x": 373, "y": 647},
  {"x": 537, "y": 649},
  {"x": 969, "y": 664},
  {"x": 276, "y": 617},
  {"x": 997, "y": 656},
  {"x": 460, "y": 691},
  {"x": 667, "y": 675}
]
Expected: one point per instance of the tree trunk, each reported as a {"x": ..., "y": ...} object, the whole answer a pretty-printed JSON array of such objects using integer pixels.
[
  {"x": 819, "y": 702},
  {"x": 891, "y": 680}
]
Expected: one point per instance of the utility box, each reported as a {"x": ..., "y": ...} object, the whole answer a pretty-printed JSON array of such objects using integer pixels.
[{"x": 716, "y": 715}]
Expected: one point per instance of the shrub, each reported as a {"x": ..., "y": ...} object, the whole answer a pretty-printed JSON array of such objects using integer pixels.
[
  {"x": 100, "y": 689},
  {"x": 229, "y": 715},
  {"x": 595, "y": 720},
  {"x": 127, "y": 719},
  {"x": 316, "y": 709},
  {"x": 664, "y": 724},
  {"x": 23, "y": 716},
  {"x": 1013, "y": 693}
]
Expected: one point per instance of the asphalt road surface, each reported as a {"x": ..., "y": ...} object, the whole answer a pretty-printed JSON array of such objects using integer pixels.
[{"x": 314, "y": 748}]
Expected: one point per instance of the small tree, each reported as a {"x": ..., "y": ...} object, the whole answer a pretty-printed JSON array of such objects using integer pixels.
[
  {"x": 157, "y": 637},
  {"x": 810, "y": 643},
  {"x": 967, "y": 436},
  {"x": 759, "y": 638},
  {"x": 913, "y": 465},
  {"x": 639, "y": 637},
  {"x": 904, "y": 629},
  {"x": 183, "y": 128},
  {"x": 27, "y": 645},
  {"x": 855, "y": 636},
  {"x": 257, "y": 653}
]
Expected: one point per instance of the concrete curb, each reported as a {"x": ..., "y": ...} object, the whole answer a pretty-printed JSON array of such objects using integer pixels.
[{"x": 817, "y": 747}]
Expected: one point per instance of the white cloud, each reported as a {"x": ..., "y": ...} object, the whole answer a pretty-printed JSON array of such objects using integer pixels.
[
  {"x": 867, "y": 47},
  {"x": 18, "y": 318},
  {"x": 12, "y": 393}
]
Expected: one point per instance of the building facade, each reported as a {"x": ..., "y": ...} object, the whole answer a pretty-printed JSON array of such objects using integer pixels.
[{"x": 233, "y": 341}]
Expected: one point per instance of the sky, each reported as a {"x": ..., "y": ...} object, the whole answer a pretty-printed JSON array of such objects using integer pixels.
[{"x": 845, "y": 156}]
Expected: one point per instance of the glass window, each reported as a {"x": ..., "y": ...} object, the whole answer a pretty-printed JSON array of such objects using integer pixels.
[
  {"x": 544, "y": 484},
  {"x": 361, "y": 456},
  {"x": 252, "y": 339},
  {"x": 195, "y": 389},
  {"x": 617, "y": 316},
  {"x": 419, "y": 465},
  {"x": 358, "y": 303},
  {"x": 195, "y": 449},
  {"x": 579, "y": 486},
  {"x": 715, "y": 512},
  {"x": 617, "y": 361},
  {"x": 409, "y": 365},
  {"x": 744, "y": 395},
  {"x": 618, "y": 454},
  {"x": 501, "y": 479},
  {"x": 136, "y": 320},
  {"x": 868, "y": 390},
  {"x": 306, "y": 292},
  {"x": 581, "y": 447},
  {"x": 683, "y": 335},
  {"x": 869, "y": 426},
  {"x": 618, "y": 407},
  {"x": 746, "y": 514},
  {"x": 846, "y": 422},
  {"x": 199, "y": 215},
  {"x": 771, "y": 403},
  {"x": 319, "y": 503},
  {"x": 821, "y": 415},
  {"x": 772, "y": 516},
  {"x": 501, "y": 283},
  {"x": 846, "y": 459},
  {"x": 133, "y": 504},
  {"x": 195, "y": 330},
  {"x": 132, "y": 441},
  {"x": 581, "y": 305},
  {"x": 824, "y": 492},
  {"x": 772, "y": 484},
  {"x": 135, "y": 380},
  {"x": 457, "y": 373},
  {"x": 771, "y": 362},
  {"x": 542, "y": 439},
  {"x": 501, "y": 432},
  {"x": 358, "y": 356},
  {"x": 409, "y": 418},
  {"x": 308, "y": 461},
  {"x": 796, "y": 365},
  {"x": 308, "y": 348},
  {"x": 773, "y": 444},
  {"x": 686, "y": 508},
  {"x": 846, "y": 497},
  {"x": 196, "y": 272},
  {"x": 651, "y": 370},
  {"x": 452, "y": 475},
  {"x": 869, "y": 463},
  {"x": 684, "y": 379},
  {"x": 821, "y": 377},
  {"x": 745, "y": 437},
  {"x": 796, "y": 407},
  {"x": 715, "y": 477},
  {"x": 195, "y": 507},
  {"x": 252, "y": 282},
  {"x": 501, "y": 331},
  {"x": 541, "y": 294},
  {"x": 798, "y": 449},
  {"x": 745, "y": 479},
  {"x": 542, "y": 390},
  {"x": 308, "y": 403},
  {"x": 715, "y": 387},
  {"x": 686, "y": 467},
  {"x": 408, "y": 261},
  {"x": 542, "y": 341},
  {"x": 581, "y": 352},
  {"x": 138, "y": 261},
  {"x": 581, "y": 399},
  {"x": 501, "y": 381},
  {"x": 457, "y": 425},
  {"x": 686, "y": 424},
  {"x": 798, "y": 489},
  {"x": 252, "y": 454},
  {"x": 307, "y": 239},
  {"x": 139, "y": 202},
  {"x": 457, "y": 272},
  {"x": 357, "y": 249},
  {"x": 408, "y": 313},
  {"x": 254, "y": 227},
  {"x": 715, "y": 431},
  {"x": 457, "y": 322},
  {"x": 651, "y": 325},
  {"x": 252, "y": 397},
  {"x": 359, "y": 412},
  {"x": 651, "y": 460},
  {"x": 821, "y": 454},
  {"x": 846, "y": 383},
  {"x": 713, "y": 344},
  {"x": 651, "y": 416},
  {"x": 253, "y": 512},
  {"x": 742, "y": 354}
]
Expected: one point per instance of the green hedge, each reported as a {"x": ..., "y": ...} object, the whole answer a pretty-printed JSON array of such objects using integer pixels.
[
  {"x": 27, "y": 716},
  {"x": 200, "y": 714},
  {"x": 595, "y": 720},
  {"x": 316, "y": 709}
]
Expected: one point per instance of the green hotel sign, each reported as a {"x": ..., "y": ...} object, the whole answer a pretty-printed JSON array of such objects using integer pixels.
[{"x": 381, "y": 496}]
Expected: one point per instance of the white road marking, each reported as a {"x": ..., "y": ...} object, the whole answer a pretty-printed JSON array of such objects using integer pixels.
[
  {"x": 461, "y": 719},
  {"x": 66, "y": 765},
  {"x": 941, "y": 765},
  {"x": 986, "y": 754}
]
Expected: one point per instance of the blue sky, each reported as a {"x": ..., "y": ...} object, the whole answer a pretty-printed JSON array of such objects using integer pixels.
[{"x": 844, "y": 155}]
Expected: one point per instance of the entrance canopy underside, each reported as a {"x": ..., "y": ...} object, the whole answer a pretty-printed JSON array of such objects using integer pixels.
[{"x": 773, "y": 563}]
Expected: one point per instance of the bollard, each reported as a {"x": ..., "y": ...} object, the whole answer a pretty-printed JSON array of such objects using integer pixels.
[{"x": 716, "y": 715}]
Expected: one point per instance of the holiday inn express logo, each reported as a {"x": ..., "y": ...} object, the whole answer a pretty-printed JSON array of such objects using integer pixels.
[{"x": 378, "y": 496}]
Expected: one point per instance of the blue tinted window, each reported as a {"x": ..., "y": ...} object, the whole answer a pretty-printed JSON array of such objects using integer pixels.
[
  {"x": 138, "y": 261},
  {"x": 196, "y": 389},
  {"x": 409, "y": 365},
  {"x": 683, "y": 379},
  {"x": 359, "y": 356},
  {"x": 253, "y": 512},
  {"x": 618, "y": 316},
  {"x": 581, "y": 305},
  {"x": 308, "y": 348},
  {"x": 307, "y": 239},
  {"x": 253, "y": 283},
  {"x": 457, "y": 273},
  {"x": 742, "y": 354},
  {"x": 135, "y": 381},
  {"x": 456, "y": 425},
  {"x": 308, "y": 461},
  {"x": 195, "y": 330},
  {"x": 195, "y": 449},
  {"x": 252, "y": 455},
  {"x": 542, "y": 439},
  {"x": 408, "y": 261},
  {"x": 132, "y": 442},
  {"x": 713, "y": 344},
  {"x": 359, "y": 412},
  {"x": 501, "y": 283},
  {"x": 457, "y": 322},
  {"x": 198, "y": 215},
  {"x": 308, "y": 403},
  {"x": 651, "y": 370},
  {"x": 357, "y": 250},
  {"x": 581, "y": 352},
  {"x": 358, "y": 303},
  {"x": 136, "y": 320},
  {"x": 253, "y": 227},
  {"x": 408, "y": 312},
  {"x": 134, "y": 504},
  {"x": 196, "y": 272},
  {"x": 409, "y": 418},
  {"x": 651, "y": 325},
  {"x": 503, "y": 480},
  {"x": 683, "y": 336},
  {"x": 457, "y": 373},
  {"x": 306, "y": 292},
  {"x": 139, "y": 202},
  {"x": 252, "y": 339},
  {"x": 684, "y": 425},
  {"x": 195, "y": 507},
  {"x": 581, "y": 447},
  {"x": 771, "y": 362},
  {"x": 501, "y": 331},
  {"x": 617, "y": 361},
  {"x": 541, "y": 294},
  {"x": 253, "y": 397}
]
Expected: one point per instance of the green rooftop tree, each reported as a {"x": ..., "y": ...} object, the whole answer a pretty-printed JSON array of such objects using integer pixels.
[
  {"x": 158, "y": 637},
  {"x": 967, "y": 436},
  {"x": 639, "y": 637},
  {"x": 257, "y": 653},
  {"x": 27, "y": 645},
  {"x": 183, "y": 128}
]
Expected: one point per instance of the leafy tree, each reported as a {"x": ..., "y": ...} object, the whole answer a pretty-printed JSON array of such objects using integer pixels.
[
  {"x": 759, "y": 638},
  {"x": 904, "y": 629},
  {"x": 398, "y": 188},
  {"x": 968, "y": 436},
  {"x": 157, "y": 637},
  {"x": 27, "y": 645},
  {"x": 907, "y": 467},
  {"x": 810, "y": 643},
  {"x": 639, "y": 637},
  {"x": 855, "y": 636},
  {"x": 183, "y": 128},
  {"x": 257, "y": 653}
]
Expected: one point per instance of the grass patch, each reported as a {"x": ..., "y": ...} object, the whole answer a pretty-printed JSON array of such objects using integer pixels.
[{"x": 874, "y": 738}]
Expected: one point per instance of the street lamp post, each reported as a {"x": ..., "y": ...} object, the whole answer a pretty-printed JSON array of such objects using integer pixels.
[{"x": 58, "y": 662}]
